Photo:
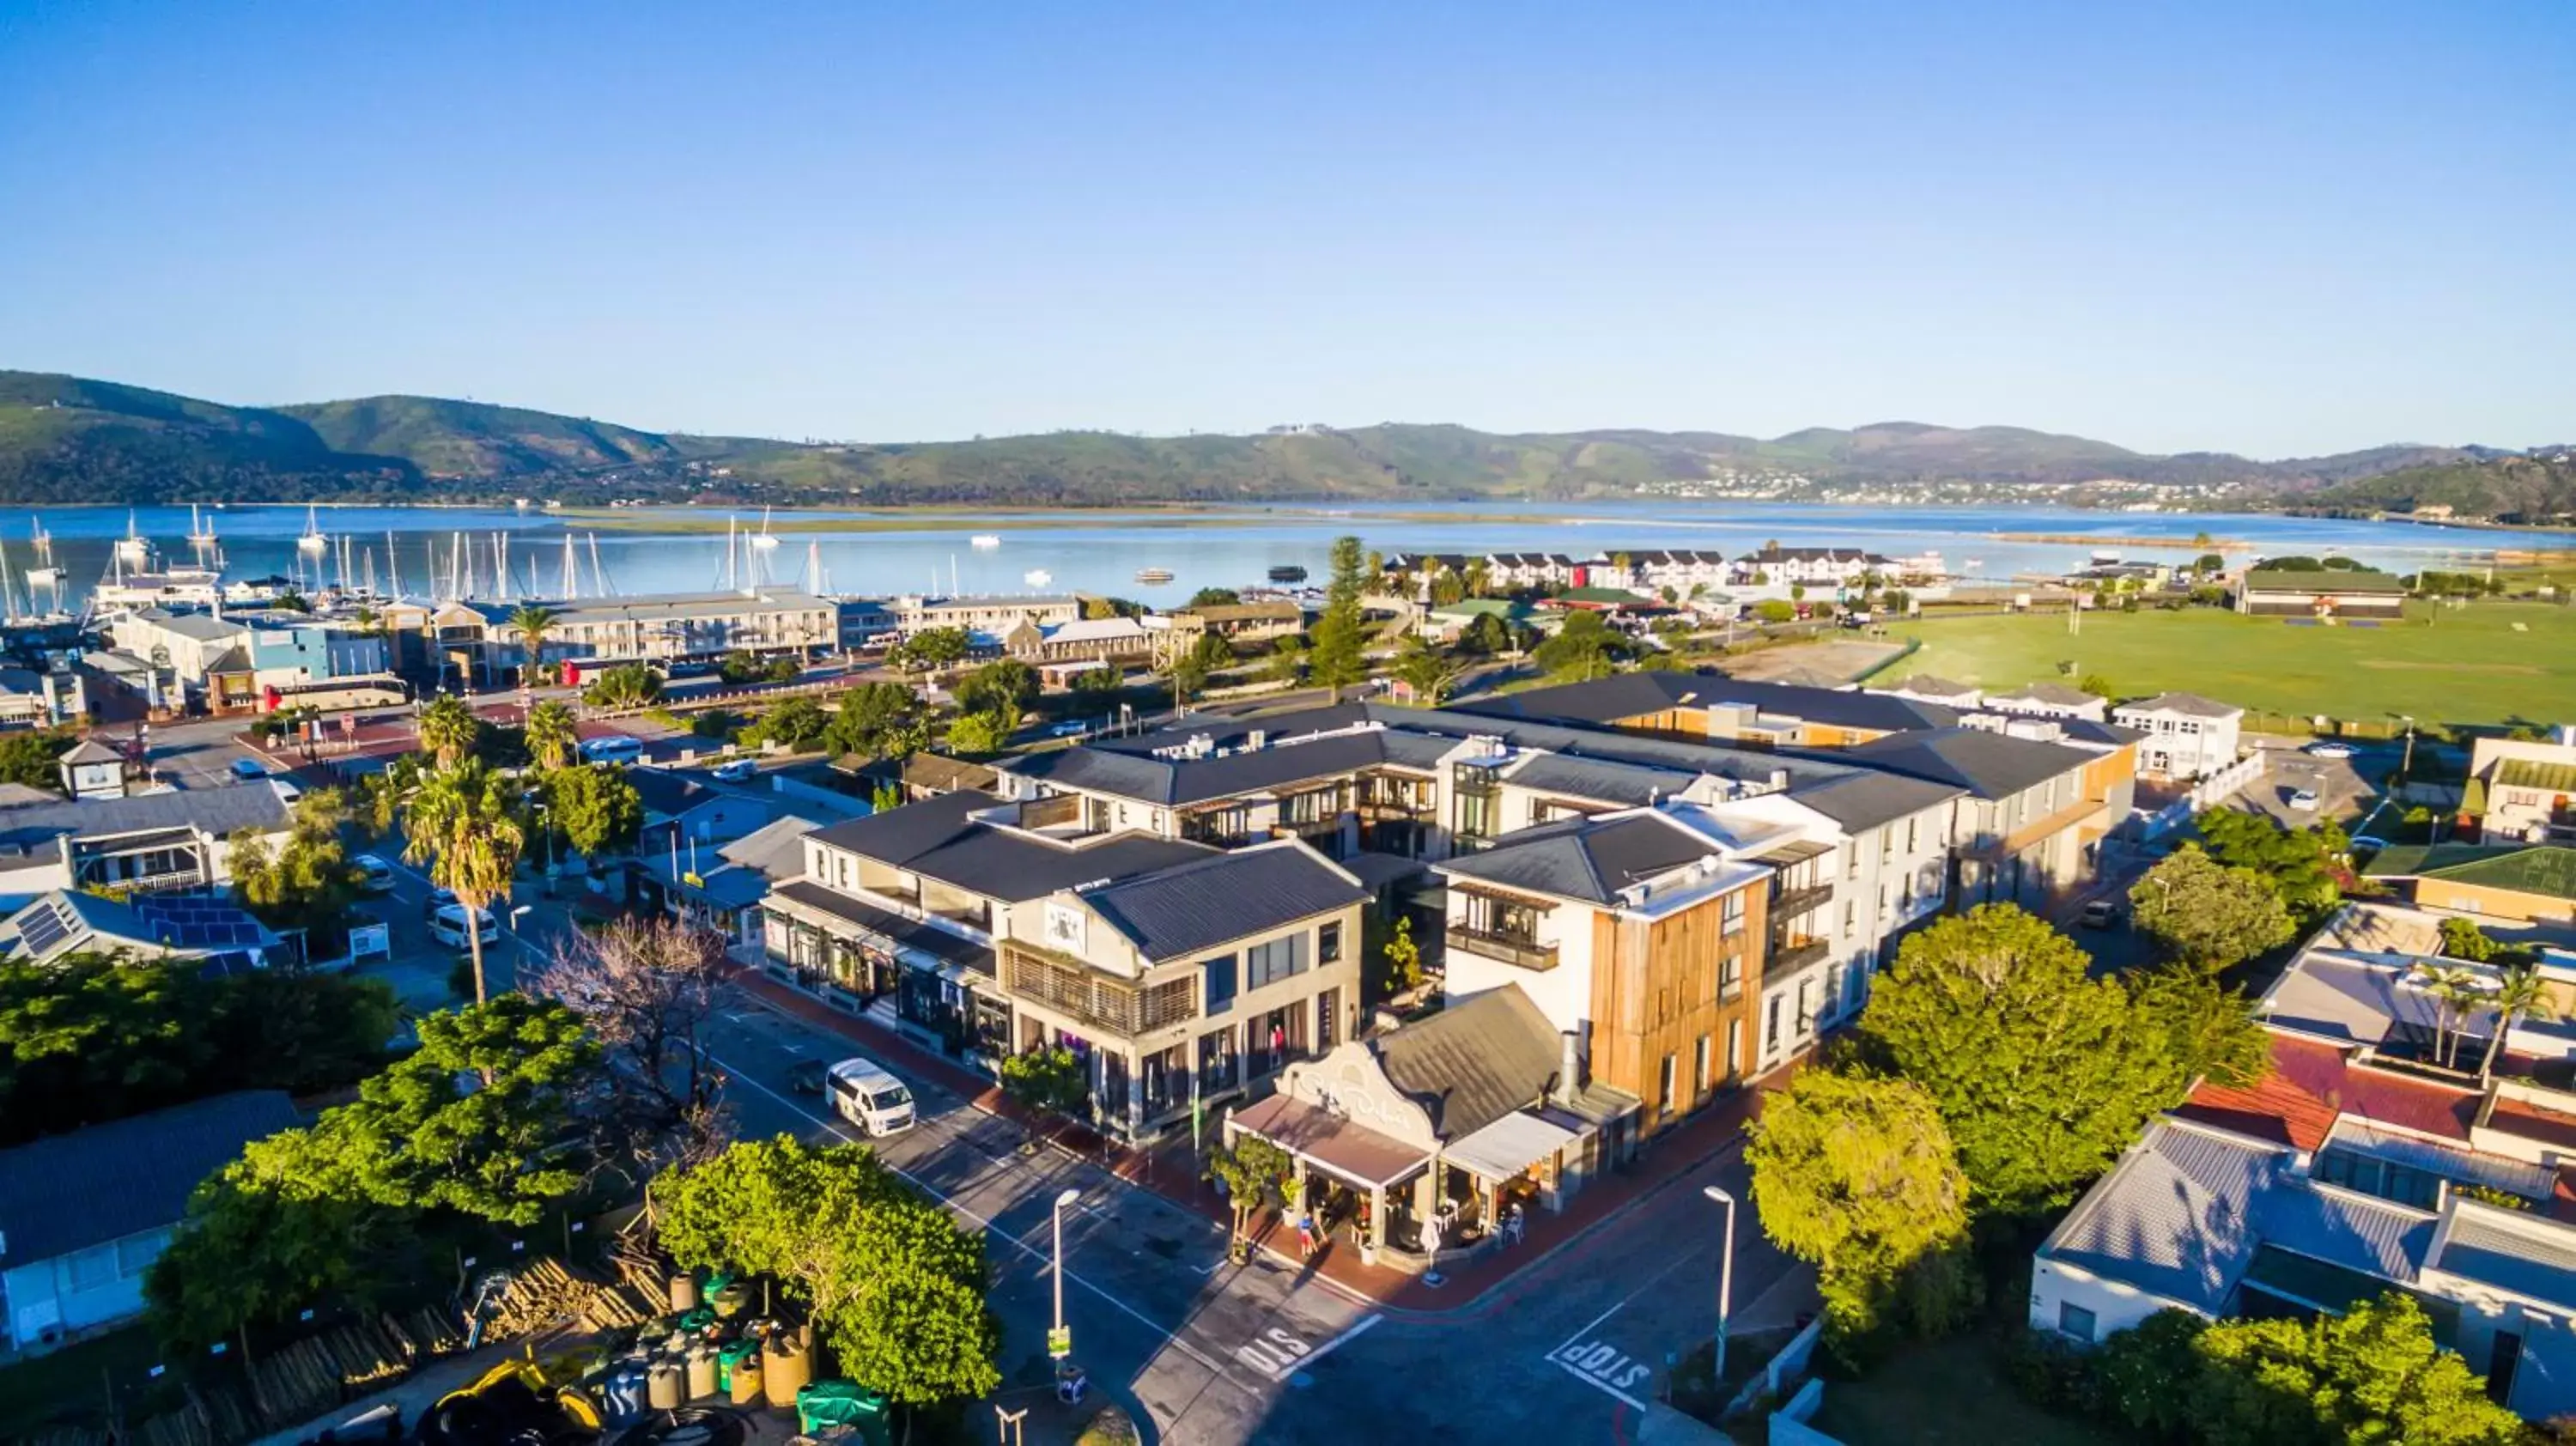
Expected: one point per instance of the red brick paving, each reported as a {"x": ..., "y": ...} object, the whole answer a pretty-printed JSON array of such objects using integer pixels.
[{"x": 1167, "y": 1170}]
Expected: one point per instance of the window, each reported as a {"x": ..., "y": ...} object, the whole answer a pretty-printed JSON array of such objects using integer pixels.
[
  {"x": 1734, "y": 1050},
  {"x": 1730, "y": 976},
  {"x": 1851, "y": 860},
  {"x": 1699, "y": 1069},
  {"x": 1851, "y": 914},
  {"x": 1912, "y": 834},
  {"x": 1771, "y": 1026},
  {"x": 1502, "y": 918},
  {"x": 92, "y": 1269},
  {"x": 1328, "y": 943},
  {"x": 1666, "y": 1097},
  {"x": 1882, "y": 901},
  {"x": 1731, "y": 913},
  {"x": 1220, "y": 982},
  {"x": 1269, "y": 963},
  {"x": 2074, "y": 1320},
  {"x": 135, "y": 1253},
  {"x": 2384, "y": 1178}
]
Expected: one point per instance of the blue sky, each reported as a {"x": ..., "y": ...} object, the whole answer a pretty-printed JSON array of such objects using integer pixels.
[{"x": 2275, "y": 229}]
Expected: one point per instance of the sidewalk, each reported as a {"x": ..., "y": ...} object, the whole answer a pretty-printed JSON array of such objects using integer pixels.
[{"x": 1169, "y": 1170}]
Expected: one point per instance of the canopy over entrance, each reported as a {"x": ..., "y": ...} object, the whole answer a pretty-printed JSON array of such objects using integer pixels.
[
  {"x": 1510, "y": 1145},
  {"x": 1331, "y": 1142}
]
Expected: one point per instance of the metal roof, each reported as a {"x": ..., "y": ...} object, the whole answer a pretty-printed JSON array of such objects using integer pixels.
[
  {"x": 2539, "y": 1262},
  {"x": 892, "y": 927},
  {"x": 1633, "y": 695},
  {"x": 218, "y": 811},
  {"x": 1988, "y": 765},
  {"x": 2190, "y": 704},
  {"x": 2322, "y": 583},
  {"x": 72, "y": 1191},
  {"x": 1474, "y": 1062},
  {"x": 1590, "y": 859},
  {"x": 2175, "y": 1216},
  {"x": 1175, "y": 912}
]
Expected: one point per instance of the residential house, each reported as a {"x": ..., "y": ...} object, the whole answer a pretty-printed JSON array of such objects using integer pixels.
[
  {"x": 1191, "y": 983},
  {"x": 1655, "y": 570},
  {"x": 2035, "y": 813},
  {"x": 2334, "y": 593},
  {"x": 2048, "y": 700},
  {"x": 2182, "y": 736},
  {"x": 1517, "y": 571},
  {"x": 2521, "y": 789},
  {"x": 2516, "y": 883},
  {"x": 199, "y": 926},
  {"x": 83, "y": 1215},
  {"x": 1474, "y": 1111},
  {"x": 150, "y": 841},
  {"x": 1813, "y": 566}
]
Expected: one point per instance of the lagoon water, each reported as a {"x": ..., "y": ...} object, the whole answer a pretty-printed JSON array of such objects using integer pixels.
[{"x": 1101, "y": 550}]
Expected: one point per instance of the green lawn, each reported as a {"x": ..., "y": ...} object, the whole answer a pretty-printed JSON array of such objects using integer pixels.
[
  {"x": 69, "y": 1386},
  {"x": 1946, "y": 1393},
  {"x": 2493, "y": 663}
]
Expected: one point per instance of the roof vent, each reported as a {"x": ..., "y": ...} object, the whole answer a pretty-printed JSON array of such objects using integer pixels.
[
  {"x": 1255, "y": 740},
  {"x": 1634, "y": 894}
]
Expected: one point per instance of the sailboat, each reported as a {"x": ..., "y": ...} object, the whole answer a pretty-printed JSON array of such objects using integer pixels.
[
  {"x": 312, "y": 543},
  {"x": 201, "y": 533},
  {"x": 45, "y": 574},
  {"x": 133, "y": 549},
  {"x": 985, "y": 541},
  {"x": 761, "y": 541}
]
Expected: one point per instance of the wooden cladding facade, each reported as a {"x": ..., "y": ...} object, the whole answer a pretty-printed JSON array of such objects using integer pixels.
[{"x": 1659, "y": 988}]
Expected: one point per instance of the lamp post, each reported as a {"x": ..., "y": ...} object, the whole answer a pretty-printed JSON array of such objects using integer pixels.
[
  {"x": 1725, "y": 1278},
  {"x": 1059, "y": 1340},
  {"x": 2406, "y": 766}
]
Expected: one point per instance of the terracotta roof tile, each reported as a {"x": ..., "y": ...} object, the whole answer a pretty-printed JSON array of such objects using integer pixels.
[{"x": 2312, "y": 1083}]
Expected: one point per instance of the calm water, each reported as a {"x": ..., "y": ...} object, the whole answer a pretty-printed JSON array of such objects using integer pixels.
[{"x": 1100, "y": 551}]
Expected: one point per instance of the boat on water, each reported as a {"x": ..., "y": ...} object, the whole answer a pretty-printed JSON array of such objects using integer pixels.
[
  {"x": 133, "y": 549},
  {"x": 1288, "y": 574},
  {"x": 761, "y": 541},
  {"x": 1037, "y": 577},
  {"x": 313, "y": 543},
  {"x": 984, "y": 540},
  {"x": 1153, "y": 576},
  {"x": 201, "y": 533},
  {"x": 46, "y": 573}
]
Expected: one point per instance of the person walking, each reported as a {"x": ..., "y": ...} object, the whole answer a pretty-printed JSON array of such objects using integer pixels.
[{"x": 1305, "y": 1234}]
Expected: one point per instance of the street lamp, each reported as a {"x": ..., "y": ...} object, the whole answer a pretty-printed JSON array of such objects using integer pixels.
[
  {"x": 1725, "y": 1277},
  {"x": 1059, "y": 1340}
]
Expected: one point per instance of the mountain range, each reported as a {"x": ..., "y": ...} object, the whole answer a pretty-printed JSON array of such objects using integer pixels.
[{"x": 68, "y": 439}]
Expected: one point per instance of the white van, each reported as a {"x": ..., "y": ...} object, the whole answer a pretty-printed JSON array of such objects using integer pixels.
[
  {"x": 865, "y": 1094},
  {"x": 447, "y": 926},
  {"x": 616, "y": 748}
]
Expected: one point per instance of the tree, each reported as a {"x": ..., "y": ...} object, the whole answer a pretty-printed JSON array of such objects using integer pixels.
[
  {"x": 2209, "y": 563},
  {"x": 2207, "y": 914},
  {"x": 1484, "y": 636},
  {"x": 2300, "y": 863},
  {"x": 2463, "y": 939},
  {"x": 2097, "y": 684},
  {"x": 2519, "y": 993},
  {"x": 552, "y": 740},
  {"x": 1337, "y": 658},
  {"x": 979, "y": 733},
  {"x": 1582, "y": 649},
  {"x": 256, "y": 1250},
  {"x": 32, "y": 757},
  {"x": 1111, "y": 607},
  {"x": 932, "y": 648},
  {"x": 1188, "y": 676},
  {"x": 2209, "y": 1028},
  {"x": 1772, "y": 610},
  {"x": 1427, "y": 671},
  {"x": 597, "y": 810},
  {"x": 2042, "y": 1075},
  {"x": 1215, "y": 597},
  {"x": 1251, "y": 1171},
  {"x": 463, "y": 827},
  {"x": 1400, "y": 960},
  {"x": 2372, "y": 1374},
  {"x": 1857, "y": 1176},
  {"x": 1047, "y": 1080},
  {"x": 448, "y": 729},
  {"x": 1287, "y": 662},
  {"x": 895, "y": 1287},
  {"x": 1095, "y": 687},
  {"x": 647, "y": 990},
  {"x": 886, "y": 795},
  {"x": 796, "y": 723},
  {"x": 2454, "y": 992},
  {"x": 882, "y": 720},
  {"x": 308, "y": 883},
  {"x": 1478, "y": 578},
  {"x": 628, "y": 685},
  {"x": 532, "y": 622},
  {"x": 1005, "y": 685}
]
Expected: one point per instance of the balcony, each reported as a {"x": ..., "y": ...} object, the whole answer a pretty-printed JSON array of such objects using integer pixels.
[
  {"x": 1790, "y": 903},
  {"x": 1093, "y": 998},
  {"x": 1523, "y": 952},
  {"x": 1794, "y": 954}
]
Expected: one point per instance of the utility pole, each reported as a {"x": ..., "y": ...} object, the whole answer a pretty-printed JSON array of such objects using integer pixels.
[{"x": 1725, "y": 1276}]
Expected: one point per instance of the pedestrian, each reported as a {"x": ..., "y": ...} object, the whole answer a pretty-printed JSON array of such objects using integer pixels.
[
  {"x": 1512, "y": 1224},
  {"x": 1305, "y": 1235}
]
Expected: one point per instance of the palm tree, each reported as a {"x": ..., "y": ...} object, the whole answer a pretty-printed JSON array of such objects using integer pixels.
[
  {"x": 2452, "y": 990},
  {"x": 448, "y": 729},
  {"x": 531, "y": 622},
  {"x": 465, "y": 832},
  {"x": 2519, "y": 994},
  {"x": 551, "y": 739},
  {"x": 1477, "y": 577}
]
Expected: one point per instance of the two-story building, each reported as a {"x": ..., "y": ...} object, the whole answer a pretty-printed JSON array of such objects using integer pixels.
[
  {"x": 1094, "y": 640},
  {"x": 1655, "y": 570},
  {"x": 2521, "y": 789},
  {"x": 1828, "y": 566},
  {"x": 2035, "y": 813},
  {"x": 994, "y": 616},
  {"x": 2048, "y": 700},
  {"x": 2182, "y": 736},
  {"x": 1717, "y": 709}
]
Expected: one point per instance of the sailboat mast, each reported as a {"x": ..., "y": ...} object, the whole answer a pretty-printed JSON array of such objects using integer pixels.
[{"x": 393, "y": 565}]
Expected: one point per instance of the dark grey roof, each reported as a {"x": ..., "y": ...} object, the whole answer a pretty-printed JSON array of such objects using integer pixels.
[
  {"x": 1632, "y": 785},
  {"x": 2188, "y": 703},
  {"x": 1633, "y": 695},
  {"x": 2085, "y": 730},
  {"x": 90, "y": 750},
  {"x": 899, "y": 835},
  {"x": 70, "y": 1192},
  {"x": 667, "y": 793},
  {"x": 1932, "y": 685},
  {"x": 1862, "y": 799},
  {"x": 1474, "y": 1062},
  {"x": 2057, "y": 694},
  {"x": 1175, "y": 912},
  {"x": 2176, "y": 1216},
  {"x": 218, "y": 811},
  {"x": 911, "y": 933},
  {"x": 1989, "y": 765},
  {"x": 936, "y": 839},
  {"x": 1176, "y": 781},
  {"x": 1590, "y": 859}
]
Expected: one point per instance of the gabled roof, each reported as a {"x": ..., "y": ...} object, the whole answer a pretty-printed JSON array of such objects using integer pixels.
[
  {"x": 1475, "y": 1061},
  {"x": 1932, "y": 685},
  {"x": 2323, "y": 583},
  {"x": 72, "y": 1191},
  {"x": 897, "y": 836},
  {"x": 776, "y": 849},
  {"x": 1987, "y": 765},
  {"x": 1176, "y": 781},
  {"x": 2546, "y": 869},
  {"x": 90, "y": 750},
  {"x": 1635, "y": 695},
  {"x": 1592, "y": 859},
  {"x": 2189, "y": 704},
  {"x": 1179, "y": 911},
  {"x": 2054, "y": 694},
  {"x": 2176, "y": 1216},
  {"x": 936, "y": 838},
  {"x": 219, "y": 811},
  {"x": 2311, "y": 1082}
]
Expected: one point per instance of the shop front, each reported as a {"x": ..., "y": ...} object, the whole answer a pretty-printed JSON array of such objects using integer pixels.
[{"x": 856, "y": 956}]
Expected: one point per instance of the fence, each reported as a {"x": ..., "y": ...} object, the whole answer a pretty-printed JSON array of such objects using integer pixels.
[
  {"x": 1788, "y": 1425},
  {"x": 2173, "y": 817},
  {"x": 1780, "y": 1370}
]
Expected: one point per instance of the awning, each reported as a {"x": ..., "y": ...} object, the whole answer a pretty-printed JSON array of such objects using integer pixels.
[
  {"x": 1508, "y": 1146},
  {"x": 1797, "y": 851},
  {"x": 1354, "y": 1152}
]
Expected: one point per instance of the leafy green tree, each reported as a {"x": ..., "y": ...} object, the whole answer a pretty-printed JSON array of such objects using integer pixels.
[
  {"x": 1287, "y": 663},
  {"x": 2455, "y": 993},
  {"x": 1214, "y": 597},
  {"x": 462, "y": 823},
  {"x": 1426, "y": 670},
  {"x": 894, "y": 1285},
  {"x": 1095, "y": 687},
  {"x": 1188, "y": 677},
  {"x": 883, "y": 797},
  {"x": 1005, "y": 685},
  {"x": 882, "y": 720},
  {"x": 448, "y": 729},
  {"x": 797, "y": 723},
  {"x": 1772, "y": 610},
  {"x": 932, "y": 648},
  {"x": 1047, "y": 1080},
  {"x": 1583, "y": 648},
  {"x": 253, "y": 1249},
  {"x": 1337, "y": 659},
  {"x": 31, "y": 757},
  {"x": 1857, "y": 1177},
  {"x": 1484, "y": 636},
  {"x": 1252, "y": 1171},
  {"x": 1401, "y": 956},
  {"x": 552, "y": 739},
  {"x": 628, "y": 685},
  {"x": 2373, "y": 1374},
  {"x": 2042, "y": 1075},
  {"x": 2301, "y": 862},
  {"x": 2463, "y": 939},
  {"x": 2207, "y": 914},
  {"x": 2209, "y": 1028},
  {"x": 981, "y": 733},
  {"x": 597, "y": 810},
  {"x": 308, "y": 883}
]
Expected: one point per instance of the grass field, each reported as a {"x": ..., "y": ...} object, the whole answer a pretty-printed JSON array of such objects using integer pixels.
[{"x": 2493, "y": 663}]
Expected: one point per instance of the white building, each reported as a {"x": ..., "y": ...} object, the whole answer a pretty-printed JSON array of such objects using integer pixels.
[
  {"x": 2049, "y": 700},
  {"x": 2187, "y": 736},
  {"x": 1830, "y": 566}
]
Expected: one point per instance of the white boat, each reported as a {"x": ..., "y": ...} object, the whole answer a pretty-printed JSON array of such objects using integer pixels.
[
  {"x": 761, "y": 541},
  {"x": 984, "y": 540},
  {"x": 312, "y": 542},
  {"x": 201, "y": 534},
  {"x": 133, "y": 549},
  {"x": 1153, "y": 576},
  {"x": 1037, "y": 577},
  {"x": 45, "y": 573}
]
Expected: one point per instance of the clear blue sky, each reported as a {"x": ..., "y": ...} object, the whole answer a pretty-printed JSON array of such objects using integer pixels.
[{"x": 2275, "y": 229}]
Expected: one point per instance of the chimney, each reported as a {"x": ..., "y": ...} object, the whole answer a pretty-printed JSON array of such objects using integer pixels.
[{"x": 1569, "y": 1069}]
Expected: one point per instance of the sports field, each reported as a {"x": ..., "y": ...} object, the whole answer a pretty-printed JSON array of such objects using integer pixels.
[{"x": 2485, "y": 663}]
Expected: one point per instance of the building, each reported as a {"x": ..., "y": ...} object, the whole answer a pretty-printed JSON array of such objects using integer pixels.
[
  {"x": 42, "y": 698},
  {"x": 2338, "y": 593},
  {"x": 2031, "y": 825},
  {"x": 83, "y": 1215},
  {"x": 1189, "y": 984},
  {"x": 992, "y": 616},
  {"x": 1246, "y": 622},
  {"x": 1450, "y": 621},
  {"x": 1715, "y": 708},
  {"x": 2182, "y": 736},
  {"x": 189, "y": 644},
  {"x": 2362, "y": 1162},
  {"x": 1641, "y": 933},
  {"x": 1518, "y": 571},
  {"x": 151, "y": 841},
  {"x": 2048, "y": 700},
  {"x": 476, "y": 638},
  {"x": 1478, "y": 1109},
  {"x": 721, "y": 889},
  {"x": 1684, "y": 572},
  {"x": 1093, "y": 640},
  {"x": 1828, "y": 566},
  {"x": 864, "y": 621},
  {"x": 2521, "y": 790},
  {"x": 190, "y": 925},
  {"x": 1938, "y": 691},
  {"x": 2509, "y": 882}
]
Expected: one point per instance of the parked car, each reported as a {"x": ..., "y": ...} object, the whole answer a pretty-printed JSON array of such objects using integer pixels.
[
  {"x": 249, "y": 768},
  {"x": 2100, "y": 914},
  {"x": 2304, "y": 798},
  {"x": 2328, "y": 748},
  {"x": 447, "y": 926},
  {"x": 616, "y": 748},
  {"x": 868, "y": 1095},
  {"x": 438, "y": 899},
  {"x": 1070, "y": 728},
  {"x": 737, "y": 770},
  {"x": 377, "y": 875}
]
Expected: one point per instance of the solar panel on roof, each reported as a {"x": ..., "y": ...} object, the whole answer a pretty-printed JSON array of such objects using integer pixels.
[{"x": 44, "y": 928}]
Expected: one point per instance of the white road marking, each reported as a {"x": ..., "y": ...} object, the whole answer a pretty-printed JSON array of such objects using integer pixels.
[{"x": 1184, "y": 1347}]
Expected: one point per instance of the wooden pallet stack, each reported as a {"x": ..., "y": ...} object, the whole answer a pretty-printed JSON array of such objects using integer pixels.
[
  {"x": 314, "y": 1374},
  {"x": 545, "y": 1294},
  {"x": 644, "y": 1271}
]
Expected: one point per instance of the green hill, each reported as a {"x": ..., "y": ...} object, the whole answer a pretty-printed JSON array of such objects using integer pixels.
[
  {"x": 65, "y": 439},
  {"x": 474, "y": 439},
  {"x": 2507, "y": 489}
]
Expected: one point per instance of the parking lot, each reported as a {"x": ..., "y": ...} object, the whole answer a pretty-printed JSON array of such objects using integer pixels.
[{"x": 2345, "y": 788}]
